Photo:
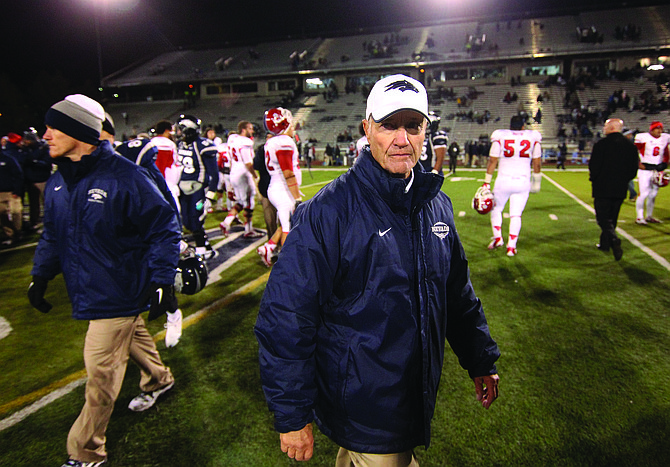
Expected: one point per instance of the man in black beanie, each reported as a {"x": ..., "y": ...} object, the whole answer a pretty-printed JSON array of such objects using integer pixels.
[{"x": 115, "y": 238}]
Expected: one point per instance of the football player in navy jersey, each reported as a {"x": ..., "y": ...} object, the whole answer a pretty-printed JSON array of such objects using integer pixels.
[
  {"x": 434, "y": 146},
  {"x": 198, "y": 182},
  {"x": 142, "y": 151}
]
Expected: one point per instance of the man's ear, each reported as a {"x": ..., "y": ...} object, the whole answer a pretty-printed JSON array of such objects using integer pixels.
[{"x": 366, "y": 127}]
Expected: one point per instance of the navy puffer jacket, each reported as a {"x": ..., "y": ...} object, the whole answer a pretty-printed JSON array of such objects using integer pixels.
[
  {"x": 353, "y": 322},
  {"x": 111, "y": 233}
]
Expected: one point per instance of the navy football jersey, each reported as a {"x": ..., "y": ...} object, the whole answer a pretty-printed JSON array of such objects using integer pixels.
[
  {"x": 437, "y": 140},
  {"x": 199, "y": 161}
]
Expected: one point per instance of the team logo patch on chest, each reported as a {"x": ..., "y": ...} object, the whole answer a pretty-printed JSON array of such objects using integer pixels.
[
  {"x": 96, "y": 195},
  {"x": 440, "y": 229}
]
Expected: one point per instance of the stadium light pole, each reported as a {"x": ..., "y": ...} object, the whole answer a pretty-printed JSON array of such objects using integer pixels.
[
  {"x": 100, "y": 8},
  {"x": 99, "y": 47}
]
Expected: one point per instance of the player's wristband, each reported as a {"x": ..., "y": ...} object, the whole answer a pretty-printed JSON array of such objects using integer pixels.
[
  {"x": 487, "y": 178},
  {"x": 210, "y": 195}
]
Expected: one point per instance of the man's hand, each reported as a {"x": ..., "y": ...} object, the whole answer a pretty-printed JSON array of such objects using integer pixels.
[
  {"x": 162, "y": 300},
  {"x": 36, "y": 291},
  {"x": 486, "y": 388},
  {"x": 298, "y": 445}
]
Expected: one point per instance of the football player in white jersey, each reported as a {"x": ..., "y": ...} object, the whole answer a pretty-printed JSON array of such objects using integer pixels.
[
  {"x": 282, "y": 162},
  {"x": 167, "y": 159},
  {"x": 514, "y": 152},
  {"x": 654, "y": 154},
  {"x": 242, "y": 177}
]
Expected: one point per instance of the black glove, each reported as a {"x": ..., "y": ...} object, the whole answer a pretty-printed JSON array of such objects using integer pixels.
[
  {"x": 36, "y": 291},
  {"x": 162, "y": 300}
]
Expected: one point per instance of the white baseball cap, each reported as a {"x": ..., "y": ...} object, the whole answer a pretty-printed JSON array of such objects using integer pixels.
[{"x": 395, "y": 93}]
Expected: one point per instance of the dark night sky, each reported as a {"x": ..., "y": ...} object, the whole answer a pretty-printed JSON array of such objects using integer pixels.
[{"x": 48, "y": 35}]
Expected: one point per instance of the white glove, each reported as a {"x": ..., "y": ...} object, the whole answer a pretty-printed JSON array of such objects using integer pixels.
[{"x": 535, "y": 181}]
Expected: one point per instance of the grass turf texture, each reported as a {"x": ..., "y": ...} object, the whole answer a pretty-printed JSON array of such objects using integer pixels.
[{"x": 584, "y": 343}]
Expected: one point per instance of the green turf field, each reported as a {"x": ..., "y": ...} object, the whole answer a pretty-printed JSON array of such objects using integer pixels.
[{"x": 584, "y": 342}]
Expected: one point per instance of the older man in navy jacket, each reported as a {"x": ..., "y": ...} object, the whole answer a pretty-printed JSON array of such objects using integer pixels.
[
  {"x": 371, "y": 282},
  {"x": 115, "y": 238}
]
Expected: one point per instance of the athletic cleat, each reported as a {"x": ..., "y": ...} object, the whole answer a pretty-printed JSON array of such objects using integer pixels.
[
  {"x": 173, "y": 329},
  {"x": 617, "y": 251},
  {"x": 76, "y": 463},
  {"x": 602, "y": 248},
  {"x": 206, "y": 253},
  {"x": 253, "y": 234},
  {"x": 652, "y": 220},
  {"x": 146, "y": 400},
  {"x": 265, "y": 252},
  {"x": 225, "y": 229},
  {"x": 640, "y": 221},
  {"x": 511, "y": 251},
  {"x": 496, "y": 243}
]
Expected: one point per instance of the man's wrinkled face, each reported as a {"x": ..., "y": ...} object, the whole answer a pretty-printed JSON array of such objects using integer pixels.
[
  {"x": 59, "y": 143},
  {"x": 397, "y": 141}
]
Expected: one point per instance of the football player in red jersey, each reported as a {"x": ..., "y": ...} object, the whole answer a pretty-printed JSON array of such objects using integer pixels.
[
  {"x": 281, "y": 161},
  {"x": 653, "y": 148}
]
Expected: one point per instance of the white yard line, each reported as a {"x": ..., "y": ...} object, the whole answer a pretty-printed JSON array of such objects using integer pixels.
[
  {"x": 20, "y": 415},
  {"x": 655, "y": 256}
]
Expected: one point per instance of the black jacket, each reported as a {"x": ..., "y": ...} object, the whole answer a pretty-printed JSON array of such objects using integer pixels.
[{"x": 614, "y": 161}]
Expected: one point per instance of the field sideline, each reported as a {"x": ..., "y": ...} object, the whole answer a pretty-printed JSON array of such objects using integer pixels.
[{"x": 584, "y": 343}]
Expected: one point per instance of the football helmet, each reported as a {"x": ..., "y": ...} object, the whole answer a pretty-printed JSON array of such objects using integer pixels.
[
  {"x": 483, "y": 202},
  {"x": 189, "y": 127},
  {"x": 277, "y": 120},
  {"x": 191, "y": 275},
  {"x": 433, "y": 122},
  {"x": 661, "y": 178}
]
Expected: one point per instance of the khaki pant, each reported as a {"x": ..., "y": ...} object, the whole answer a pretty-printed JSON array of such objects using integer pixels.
[
  {"x": 346, "y": 458},
  {"x": 109, "y": 343}
]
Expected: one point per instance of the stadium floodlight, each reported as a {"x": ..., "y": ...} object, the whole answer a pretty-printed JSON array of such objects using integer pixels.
[{"x": 101, "y": 7}]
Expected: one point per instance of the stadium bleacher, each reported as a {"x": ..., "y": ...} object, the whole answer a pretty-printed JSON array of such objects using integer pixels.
[{"x": 508, "y": 45}]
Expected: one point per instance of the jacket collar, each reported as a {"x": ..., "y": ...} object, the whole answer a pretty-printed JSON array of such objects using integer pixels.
[
  {"x": 72, "y": 171},
  {"x": 422, "y": 187}
]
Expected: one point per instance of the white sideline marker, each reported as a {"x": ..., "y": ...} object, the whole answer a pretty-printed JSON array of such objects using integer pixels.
[
  {"x": 553, "y": 217},
  {"x": 461, "y": 214}
]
